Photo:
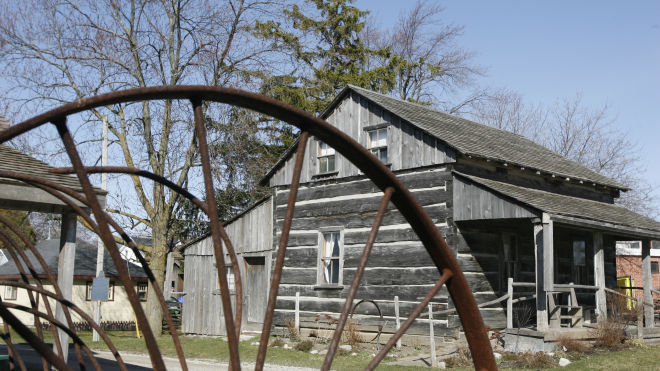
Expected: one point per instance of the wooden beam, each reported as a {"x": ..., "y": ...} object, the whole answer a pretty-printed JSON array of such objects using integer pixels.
[
  {"x": 540, "y": 232},
  {"x": 65, "y": 267},
  {"x": 648, "y": 282},
  {"x": 599, "y": 276}
]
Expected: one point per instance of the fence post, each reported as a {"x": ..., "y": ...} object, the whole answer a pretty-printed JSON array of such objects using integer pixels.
[
  {"x": 509, "y": 305},
  {"x": 297, "y": 318},
  {"x": 640, "y": 318},
  {"x": 434, "y": 361},
  {"x": 398, "y": 322}
]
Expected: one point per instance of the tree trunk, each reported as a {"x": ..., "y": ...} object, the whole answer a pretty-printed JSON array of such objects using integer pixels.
[{"x": 157, "y": 265}]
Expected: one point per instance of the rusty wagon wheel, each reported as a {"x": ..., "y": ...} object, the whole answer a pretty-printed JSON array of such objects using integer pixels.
[{"x": 394, "y": 191}]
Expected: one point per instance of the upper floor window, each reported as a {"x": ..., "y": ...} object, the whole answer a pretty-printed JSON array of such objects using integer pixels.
[
  {"x": 330, "y": 258},
  {"x": 326, "y": 156},
  {"x": 142, "y": 289},
  {"x": 378, "y": 143}
]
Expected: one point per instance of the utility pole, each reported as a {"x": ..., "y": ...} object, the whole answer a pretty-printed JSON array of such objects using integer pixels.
[{"x": 100, "y": 247}]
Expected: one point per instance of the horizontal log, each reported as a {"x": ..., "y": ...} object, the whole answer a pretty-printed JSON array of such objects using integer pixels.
[
  {"x": 414, "y": 180},
  {"x": 363, "y": 205},
  {"x": 479, "y": 262},
  {"x": 405, "y": 292}
]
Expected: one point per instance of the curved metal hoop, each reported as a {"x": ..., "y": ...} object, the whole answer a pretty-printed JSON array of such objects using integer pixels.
[{"x": 394, "y": 191}]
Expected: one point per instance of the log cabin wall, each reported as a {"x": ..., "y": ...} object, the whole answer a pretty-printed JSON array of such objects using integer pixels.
[{"x": 399, "y": 264}]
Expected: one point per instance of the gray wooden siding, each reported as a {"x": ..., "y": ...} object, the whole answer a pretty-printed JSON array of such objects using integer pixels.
[
  {"x": 408, "y": 147},
  {"x": 251, "y": 235},
  {"x": 473, "y": 201},
  {"x": 399, "y": 263}
]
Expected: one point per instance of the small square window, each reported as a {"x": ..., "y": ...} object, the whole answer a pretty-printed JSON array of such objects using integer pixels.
[
  {"x": 378, "y": 144},
  {"x": 11, "y": 293},
  {"x": 326, "y": 158},
  {"x": 142, "y": 289},
  {"x": 654, "y": 267}
]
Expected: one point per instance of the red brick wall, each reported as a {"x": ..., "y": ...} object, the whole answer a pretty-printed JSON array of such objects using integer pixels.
[{"x": 630, "y": 265}]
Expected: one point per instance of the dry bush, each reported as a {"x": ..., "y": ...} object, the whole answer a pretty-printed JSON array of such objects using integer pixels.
[
  {"x": 636, "y": 343},
  {"x": 291, "y": 328},
  {"x": 304, "y": 346},
  {"x": 611, "y": 331},
  {"x": 535, "y": 361},
  {"x": 351, "y": 335},
  {"x": 277, "y": 343},
  {"x": 342, "y": 352},
  {"x": 463, "y": 357},
  {"x": 568, "y": 343}
]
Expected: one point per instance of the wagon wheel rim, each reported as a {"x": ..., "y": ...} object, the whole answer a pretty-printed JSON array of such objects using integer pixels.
[{"x": 394, "y": 191}]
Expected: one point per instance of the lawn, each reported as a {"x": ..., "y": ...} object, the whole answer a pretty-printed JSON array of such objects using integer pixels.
[{"x": 216, "y": 349}]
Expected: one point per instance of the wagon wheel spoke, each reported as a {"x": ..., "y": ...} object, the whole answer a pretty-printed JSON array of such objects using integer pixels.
[
  {"x": 234, "y": 358},
  {"x": 357, "y": 278},
  {"x": 281, "y": 250},
  {"x": 446, "y": 275}
]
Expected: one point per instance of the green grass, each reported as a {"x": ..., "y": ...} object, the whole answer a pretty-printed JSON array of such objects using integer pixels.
[{"x": 216, "y": 349}]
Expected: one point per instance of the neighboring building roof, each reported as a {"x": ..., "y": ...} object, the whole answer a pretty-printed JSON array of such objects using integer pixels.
[
  {"x": 634, "y": 248},
  {"x": 557, "y": 204},
  {"x": 474, "y": 139},
  {"x": 17, "y": 161},
  {"x": 85, "y": 263}
]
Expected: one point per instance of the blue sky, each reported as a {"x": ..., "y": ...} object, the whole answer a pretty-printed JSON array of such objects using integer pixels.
[{"x": 608, "y": 50}]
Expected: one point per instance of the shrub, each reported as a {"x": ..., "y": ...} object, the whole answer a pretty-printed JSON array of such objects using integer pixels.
[
  {"x": 351, "y": 334},
  {"x": 567, "y": 343},
  {"x": 463, "y": 357},
  {"x": 534, "y": 360},
  {"x": 304, "y": 346},
  {"x": 277, "y": 343},
  {"x": 291, "y": 328},
  {"x": 342, "y": 352},
  {"x": 611, "y": 331},
  {"x": 636, "y": 343}
]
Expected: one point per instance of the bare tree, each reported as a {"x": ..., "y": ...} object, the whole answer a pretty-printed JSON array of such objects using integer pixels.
[
  {"x": 56, "y": 52},
  {"x": 507, "y": 110},
  {"x": 432, "y": 67}
]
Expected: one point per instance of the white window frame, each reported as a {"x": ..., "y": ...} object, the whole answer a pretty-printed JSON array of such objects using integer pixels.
[
  {"x": 325, "y": 153},
  {"x": 11, "y": 293},
  {"x": 380, "y": 144},
  {"x": 320, "y": 259},
  {"x": 146, "y": 290},
  {"x": 111, "y": 291}
]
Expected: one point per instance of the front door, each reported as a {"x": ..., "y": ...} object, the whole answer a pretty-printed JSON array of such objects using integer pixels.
[{"x": 257, "y": 288}]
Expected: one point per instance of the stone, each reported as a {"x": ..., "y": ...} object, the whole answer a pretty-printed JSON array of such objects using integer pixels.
[
  {"x": 353, "y": 354},
  {"x": 497, "y": 355},
  {"x": 314, "y": 352},
  {"x": 551, "y": 354},
  {"x": 275, "y": 347},
  {"x": 373, "y": 355},
  {"x": 346, "y": 347},
  {"x": 323, "y": 352},
  {"x": 564, "y": 362},
  {"x": 442, "y": 365},
  {"x": 254, "y": 343},
  {"x": 286, "y": 346}
]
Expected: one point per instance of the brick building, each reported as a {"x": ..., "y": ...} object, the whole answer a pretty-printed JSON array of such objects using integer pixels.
[{"x": 629, "y": 263}]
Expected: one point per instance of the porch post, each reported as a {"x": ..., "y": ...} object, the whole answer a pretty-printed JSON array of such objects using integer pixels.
[
  {"x": 647, "y": 281},
  {"x": 65, "y": 265},
  {"x": 599, "y": 276},
  {"x": 543, "y": 251}
]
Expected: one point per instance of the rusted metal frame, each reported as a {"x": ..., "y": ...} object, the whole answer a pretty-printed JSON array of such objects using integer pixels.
[
  {"x": 61, "y": 326},
  {"x": 446, "y": 275},
  {"x": 110, "y": 244},
  {"x": 32, "y": 339},
  {"x": 51, "y": 187},
  {"x": 36, "y": 182},
  {"x": 200, "y": 127},
  {"x": 412, "y": 210},
  {"x": 281, "y": 251},
  {"x": 13, "y": 247},
  {"x": 80, "y": 312},
  {"x": 352, "y": 291},
  {"x": 11, "y": 349},
  {"x": 183, "y": 192}
]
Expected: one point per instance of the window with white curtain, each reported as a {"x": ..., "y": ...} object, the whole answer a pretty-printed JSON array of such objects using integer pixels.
[{"x": 330, "y": 258}]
